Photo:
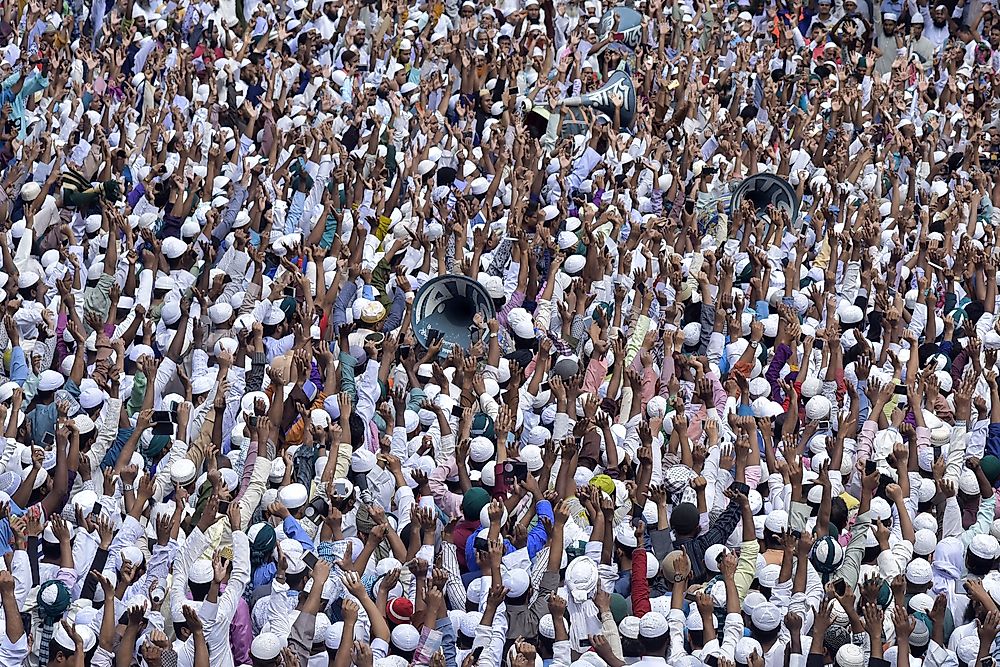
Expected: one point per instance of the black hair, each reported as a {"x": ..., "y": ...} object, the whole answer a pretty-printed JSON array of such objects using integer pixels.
[
  {"x": 199, "y": 591},
  {"x": 655, "y": 646},
  {"x": 631, "y": 648},
  {"x": 520, "y": 599},
  {"x": 871, "y": 554},
  {"x": 838, "y": 512},
  {"x": 979, "y": 566},
  {"x": 357, "y": 426},
  {"x": 51, "y": 550},
  {"x": 764, "y": 636},
  {"x": 55, "y": 648},
  {"x": 772, "y": 540},
  {"x": 297, "y": 580}
]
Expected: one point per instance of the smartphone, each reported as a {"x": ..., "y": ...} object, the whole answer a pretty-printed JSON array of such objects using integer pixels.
[
  {"x": 340, "y": 488},
  {"x": 741, "y": 487},
  {"x": 310, "y": 558},
  {"x": 433, "y": 335},
  {"x": 514, "y": 471},
  {"x": 49, "y": 439},
  {"x": 404, "y": 351},
  {"x": 870, "y": 467},
  {"x": 481, "y": 544},
  {"x": 317, "y": 509},
  {"x": 160, "y": 416},
  {"x": 456, "y": 411}
]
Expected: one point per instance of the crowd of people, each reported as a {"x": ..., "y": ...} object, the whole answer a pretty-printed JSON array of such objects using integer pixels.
[{"x": 687, "y": 427}]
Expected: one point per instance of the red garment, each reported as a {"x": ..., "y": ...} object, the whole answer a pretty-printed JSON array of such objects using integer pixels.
[
  {"x": 640, "y": 584},
  {"x": 463, "y": 531}
]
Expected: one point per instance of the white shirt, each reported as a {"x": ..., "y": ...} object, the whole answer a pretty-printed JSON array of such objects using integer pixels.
[{"x": 218, "y": 616}]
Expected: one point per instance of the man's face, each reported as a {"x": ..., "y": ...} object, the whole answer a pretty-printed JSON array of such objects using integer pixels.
[
  {"x": 916, "y": 30},
  {"x": 889, "y": 27},
  {"x": 533, "y": 12},
  {"x": 851, "y": 7},
  {"x": 939, "y": 16},
  {"x": 824, "y": 10}
]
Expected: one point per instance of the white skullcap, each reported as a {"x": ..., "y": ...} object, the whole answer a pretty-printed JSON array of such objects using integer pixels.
[
  {"x": 817, "y": 408},
  {"x": 266, "y": 646}
]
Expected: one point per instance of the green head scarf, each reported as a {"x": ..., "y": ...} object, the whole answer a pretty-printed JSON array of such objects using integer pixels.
[
  {"x": 473, "y": 502},
  {"x": 155, "y": 446},
  {"x": 262, "y": 545},
  {"x": 53, "y": 600},
  {"x": 991, "y": 468}
]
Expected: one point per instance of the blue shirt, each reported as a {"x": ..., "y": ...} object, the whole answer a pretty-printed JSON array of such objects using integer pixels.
[{"x": 537, "y": 537}]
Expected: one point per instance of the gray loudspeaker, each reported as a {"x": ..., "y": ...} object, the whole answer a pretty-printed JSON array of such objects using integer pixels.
[
  {"x": 764, "y": 190},
  {"x": 446, "y": 305},
  {"x": 627, "y": 34},
  {"x": 618, "y": 83}
]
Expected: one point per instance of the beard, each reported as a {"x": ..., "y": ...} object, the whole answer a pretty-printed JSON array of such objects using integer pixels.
[{"x": 939, "y": 24}]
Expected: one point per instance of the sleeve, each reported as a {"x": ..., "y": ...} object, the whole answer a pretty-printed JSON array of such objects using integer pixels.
[
  {"x": 850, "y": 569},
  {"x": 14, "y": 653},
  {"x": 252, "y": 494},
  {"x": 538, "y": 537},
  {"x": 675, "y": 627},
  {"x": 723, "y": 526},
  {"x": 301, "y": 638},
  {"x": 448, "y": 637},
  {"x": 746, "y": 568},
  {"x": 240, "y": 577},
  {"x": 107, "y": 431},
  {"x": 453, "y": 587},
  {"x": 295, "y": 531},
  {"x": 561, "y": 653},
  {"x": 280, "y": 608},
  {"x": 640, "y": 585},
  {"x": 610, "y": 630},
  {"x": 731, "y": 634},
  {"x": 984, "y": 519},
  {"x": 194, "y": 546},
  {"x": 450, "y": 503}
]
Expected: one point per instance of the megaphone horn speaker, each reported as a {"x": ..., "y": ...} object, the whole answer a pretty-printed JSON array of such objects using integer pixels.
[
  {"x": 765, "y": 190},
  {"x": 445, "y": 306},
  {"x": 619, "y": 84}
]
